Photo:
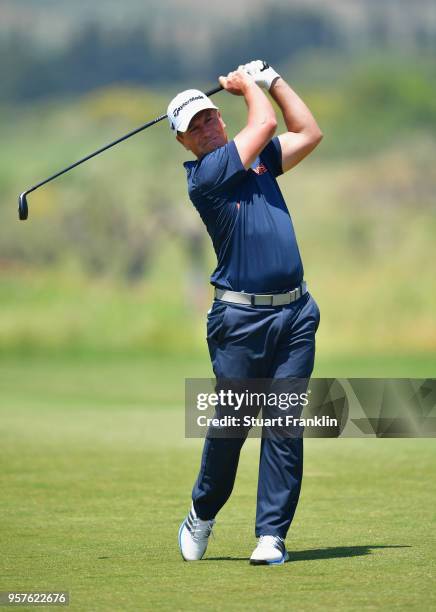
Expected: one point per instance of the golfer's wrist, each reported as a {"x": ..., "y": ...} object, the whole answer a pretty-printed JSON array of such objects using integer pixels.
[
  {"x": 276, "y": 82},
  {"x": 249, "y": 87}
]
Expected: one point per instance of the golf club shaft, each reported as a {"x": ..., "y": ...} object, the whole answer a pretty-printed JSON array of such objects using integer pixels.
[
  {"x": 112, "y": 144},
  {"x": 84, "y": 159}
]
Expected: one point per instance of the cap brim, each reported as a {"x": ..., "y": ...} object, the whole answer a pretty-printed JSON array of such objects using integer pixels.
[{"x": 184, "y": 124}]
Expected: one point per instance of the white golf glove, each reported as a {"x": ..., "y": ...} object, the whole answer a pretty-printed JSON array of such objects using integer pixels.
[{"x": 261, "y": 72}]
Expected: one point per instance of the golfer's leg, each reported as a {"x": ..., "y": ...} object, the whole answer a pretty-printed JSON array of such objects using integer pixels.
[
  {"x": 280, "y": 476},
  {"x": 214, "y": 484},
  {"x": 281, "y": 459},
  {"x": 219, "y": 461},
  {"x": 235, "y": 354}
]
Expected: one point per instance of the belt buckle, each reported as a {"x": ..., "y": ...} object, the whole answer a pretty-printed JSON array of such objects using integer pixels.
[
  {"x": 270, "y": 296},
  {"x": 253, "y": 297}
]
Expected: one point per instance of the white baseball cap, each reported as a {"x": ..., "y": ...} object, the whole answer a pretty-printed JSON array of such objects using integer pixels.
[{"x": 184, "y": 106}]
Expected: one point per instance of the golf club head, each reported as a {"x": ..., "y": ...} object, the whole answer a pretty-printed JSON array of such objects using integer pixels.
[{"x": 23, "y": 211}]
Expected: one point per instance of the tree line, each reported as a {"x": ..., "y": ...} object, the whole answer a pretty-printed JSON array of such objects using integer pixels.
[{"x": 95, "y": 57}]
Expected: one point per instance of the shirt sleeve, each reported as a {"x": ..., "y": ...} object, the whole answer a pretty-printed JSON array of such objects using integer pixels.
[
  {"x": 219, "y": 169},
  {"x": 272, "y": 156}
]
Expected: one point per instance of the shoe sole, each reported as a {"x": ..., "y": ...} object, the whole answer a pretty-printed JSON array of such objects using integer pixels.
[
  {"x": 179, "y": 539},
  {"x": 280, "y": 561}
]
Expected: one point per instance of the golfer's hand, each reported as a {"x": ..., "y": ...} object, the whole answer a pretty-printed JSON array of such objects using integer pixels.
[
  {"x": 237, "y": 82},
  {"x": 262, "y": 73}
]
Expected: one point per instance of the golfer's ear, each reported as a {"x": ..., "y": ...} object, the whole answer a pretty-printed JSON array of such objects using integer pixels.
[
  {"x": 221, "y": 119},
  {"x": 179, "y": 137}
]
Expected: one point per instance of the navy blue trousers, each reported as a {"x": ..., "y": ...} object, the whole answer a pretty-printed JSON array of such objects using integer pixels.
[{"x": 258, "y": 342}]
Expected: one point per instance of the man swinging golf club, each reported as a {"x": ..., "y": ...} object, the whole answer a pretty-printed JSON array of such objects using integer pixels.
[{"x": 263, "y": 321}]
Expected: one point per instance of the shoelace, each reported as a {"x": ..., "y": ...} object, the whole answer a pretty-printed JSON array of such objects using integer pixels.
[
  {"x": 264, "y": 539},
  {"x": 201, "y": 530}
]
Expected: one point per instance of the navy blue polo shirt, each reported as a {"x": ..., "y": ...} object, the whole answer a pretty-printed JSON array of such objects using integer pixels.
[{"x": 247, "y": 219}]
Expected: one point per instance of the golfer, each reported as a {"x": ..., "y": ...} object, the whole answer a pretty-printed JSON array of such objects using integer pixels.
[{"x": 263, "y": 321}]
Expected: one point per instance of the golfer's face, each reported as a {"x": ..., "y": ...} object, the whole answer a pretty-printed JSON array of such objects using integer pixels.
[{"x": 206, "y": 132}]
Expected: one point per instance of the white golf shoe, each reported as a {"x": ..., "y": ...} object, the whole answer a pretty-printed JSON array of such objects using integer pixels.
[
  {"x": 270, "y": 550},
  {"x": 194, "y": 536}
]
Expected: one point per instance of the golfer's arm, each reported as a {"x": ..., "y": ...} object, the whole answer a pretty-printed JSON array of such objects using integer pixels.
[
  {"x": 260, "y": 128},
  {"x": 303, "y": 133}
]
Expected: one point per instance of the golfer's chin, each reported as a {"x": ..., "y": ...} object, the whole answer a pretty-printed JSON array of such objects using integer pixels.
[{"x": 212, "y": 145}]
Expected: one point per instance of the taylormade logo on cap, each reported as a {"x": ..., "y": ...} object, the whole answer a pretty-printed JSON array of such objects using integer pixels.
[
  {"x": 184, "y": 106},
  {"x": 179, "y": 108}
]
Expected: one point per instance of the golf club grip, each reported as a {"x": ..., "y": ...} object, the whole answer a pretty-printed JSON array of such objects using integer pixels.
[
  {"x": 214, "y": 90},
  {"x": 220, "y": 87}
]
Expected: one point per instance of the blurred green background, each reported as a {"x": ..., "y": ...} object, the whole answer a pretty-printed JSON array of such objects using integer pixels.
[
  {"x": 104, "y": 292},
  {"x": 114, "y": 259}
]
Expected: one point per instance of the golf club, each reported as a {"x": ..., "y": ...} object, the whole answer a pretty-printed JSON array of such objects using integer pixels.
[{"x": 23, "y": 211}]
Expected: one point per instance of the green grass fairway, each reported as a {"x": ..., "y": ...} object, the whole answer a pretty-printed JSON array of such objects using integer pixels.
[{"x": 97, "y": 476}]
